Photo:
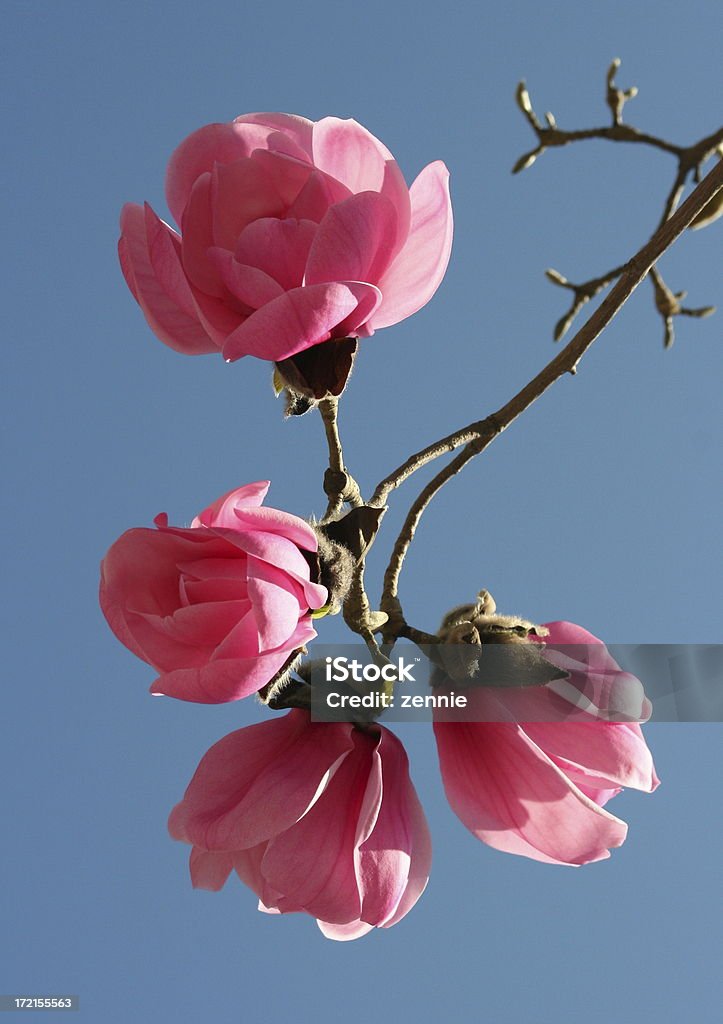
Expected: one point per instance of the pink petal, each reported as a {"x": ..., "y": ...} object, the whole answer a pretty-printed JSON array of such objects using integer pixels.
[
  {"x": 221, "y": 144},
  {"x": 242, "y": 641},
  {"x": 200, "y": 627},
  {"x": 416, "y": 273},
  {"x": 356, "y": 323},
  {"x": 258, "y": 781},
  {"x": 344, "y": 932},
  {"x": 568, "y": 633},
  {"x": 210, "y": 870},
  {"x": 351, "y": 154},
  {"x": 247, "y": 864},
  {"x": 249, "y": 285},
  {"x": 217, "y": 316},
  {"x": 221, "y": 511},
  {"x": 603, "y": 752},
  {"x": 139, "y": 575},
  {"x": 598, "y": 796},
  {"x": 319, "y": 193},
  {"x": 168, "y": 321},
  {"x": 288, "y": 174},
  {"x": 421, "y": 860},
  {"x": 510, "y": 795},
  {"x": 221, "y": 681},
  {"x": 354, "y": 242},
  {"x": 272, "y": 520},
  {"x": 384, "y": 857},
  {"x": 164, "y": 250},
  {"x": 195, "y": 591},
  {"x": 295, "y": 130},
  {"x": 312, "y": 863},
  {"x": 241, "y": 193},
  {"x": 278, "y": 247},
  {"x": 197, "y": 239},
  {"x": 214, "y": 569},
  {"x": 299, "y": 319},
  {"x": 272, "y": 548},
  {"x": 276, "y": 608}
]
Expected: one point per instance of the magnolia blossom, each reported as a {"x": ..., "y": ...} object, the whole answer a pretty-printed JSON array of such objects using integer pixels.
[
  {"x": 219, "y": 608},
  {"x": 293, "y": 232},
  {"x": 316, "y": 818},
  {"x": 533, "y": 773}
]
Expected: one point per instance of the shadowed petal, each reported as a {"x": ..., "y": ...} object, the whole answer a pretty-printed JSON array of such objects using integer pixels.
[
  {"x": 169, "y": 322},
  {"x": 241, "y": 193},
  {"x": 209, "y": 870},
  {"x": 222, "y": 681},
  {"x": 259, "y": 781},
  {"x": 278, "y": 247}
]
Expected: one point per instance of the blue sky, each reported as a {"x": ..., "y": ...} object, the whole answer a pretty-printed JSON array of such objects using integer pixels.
[{"x": 599, "y": 506}]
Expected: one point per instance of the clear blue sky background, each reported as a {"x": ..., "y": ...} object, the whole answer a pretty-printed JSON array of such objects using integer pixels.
[{"x": 600, "y": 506}]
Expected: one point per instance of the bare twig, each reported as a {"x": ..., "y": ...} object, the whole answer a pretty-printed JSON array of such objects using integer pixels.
[
  {"x": 339, "y": 485},
  {"x": 477, "y": 436},
  {"x": 690, "y": 160}
]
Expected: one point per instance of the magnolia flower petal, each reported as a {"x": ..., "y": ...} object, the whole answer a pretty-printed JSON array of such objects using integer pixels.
[
  {"x": 197, "y": 238},
  {"x": 416, "y": 273},
  {"x": 598, "y": 796},
  {"x": 319, "y": 193},
  {"x": 351, "y": 154},
  {"x": 354, "y": 242},
  {"x": 258, "y": 781},
  {"x": 288, "y": 174},
  {"x": 312, "y": 863},
  {"x": 125, "y": 595},
  {"x": 225, "y": 773},
  {"x": 287, "y": 789},
  {"x": 292, "y": 134},
  {"x": 164, "y": 250},
  {"x": 299, "y": 319},
  {"x": 510, "y": 795},
  {"x": 272, "y": 548},
  {"x": 240, "y": 642},
  {"x": 273, "y": 520},
  {"x": 605, "y": 751},
  {"x": 222, "y": 511},
  {"x": 278, "y": 247},
  {"x": 199, "y": 626},
  {"x": 249, "y": 285},
  {"x": 210, "y": 870},
  {"x": 219, "y": 144},
  {"x": 421, "y": 857},
  {"x": 384, "y": 855},
  {"x": 344, "y": 932},
  {"x": 240, "y": 193},
  {"x": 275, "y": 605},
  {"x": 174, "y": 326},
  {"x": 221, "y": 681}
]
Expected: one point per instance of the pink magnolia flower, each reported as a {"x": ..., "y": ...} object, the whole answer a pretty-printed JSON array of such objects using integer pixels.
[
  {"x": 219, "y": 608},
  {"x": 528, "y": 780},
  {"x": 316, "y": 818},
  {"x": 293, "y": 232}
]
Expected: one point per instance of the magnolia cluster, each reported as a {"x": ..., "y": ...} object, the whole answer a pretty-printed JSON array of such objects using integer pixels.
[
  {"x": 297, "y": 239},
  {"x": 322, "y": 817}
]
